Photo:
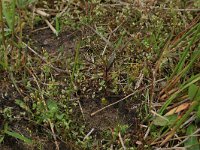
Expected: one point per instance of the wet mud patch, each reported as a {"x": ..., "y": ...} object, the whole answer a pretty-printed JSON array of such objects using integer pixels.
[
  {"x": 111, "y": 117},
  {"x": 45, "y": 39},
  {"x": 103, "y": 120}
]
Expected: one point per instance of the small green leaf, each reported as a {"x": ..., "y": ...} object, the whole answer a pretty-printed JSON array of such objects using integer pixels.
[
  {"x": 8, "y": 12},
  {"x": 160, "y": 121},
  {"x": 19, "y": 136},
  {"x": 60, "y": 117},
  {"x": 52, "y": 105},
  {"x": 22, "y": 105},
  {"x": 104, "y": 101},
  {"x": 192, "y": 142},
  {"x": 194, "y": 92},
  {"x": 1, "y": 138},
  {"x": 165, "y": 120}
]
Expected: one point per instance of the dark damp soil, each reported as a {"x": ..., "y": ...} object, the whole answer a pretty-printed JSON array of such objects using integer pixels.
[{"x": 47, "y": 40}]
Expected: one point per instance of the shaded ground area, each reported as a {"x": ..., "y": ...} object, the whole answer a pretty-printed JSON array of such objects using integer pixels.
[{"x": 45, "y": 39}]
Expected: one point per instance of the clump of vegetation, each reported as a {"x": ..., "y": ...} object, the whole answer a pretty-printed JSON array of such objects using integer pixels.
[{"x": 99, "y": 74}]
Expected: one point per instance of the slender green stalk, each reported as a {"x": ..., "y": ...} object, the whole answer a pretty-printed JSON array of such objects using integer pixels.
[
  {"x": 2, "y": 23},
  {"x": 3, "y": 36},
  {"x": 76, "y": 61},
  {"x": 184, "y": 56},
  {"x": 13, "y": 21},
  {"x": 169, "y": 101},
  {"x": 185, "y": 35}
]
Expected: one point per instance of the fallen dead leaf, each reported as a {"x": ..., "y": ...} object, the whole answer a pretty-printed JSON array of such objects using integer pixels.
[{"x": 178, "y": 109}]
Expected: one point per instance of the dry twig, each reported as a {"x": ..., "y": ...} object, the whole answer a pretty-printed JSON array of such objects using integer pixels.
[
  {"x": 139, "y": 90},
  {"x": 121, "y": 141}
]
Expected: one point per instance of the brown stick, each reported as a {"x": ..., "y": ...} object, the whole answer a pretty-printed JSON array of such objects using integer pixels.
[{"x": 94, "y": 113}]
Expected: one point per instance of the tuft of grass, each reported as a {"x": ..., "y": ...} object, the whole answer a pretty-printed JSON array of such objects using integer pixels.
[{"x": 186, "y": 89}]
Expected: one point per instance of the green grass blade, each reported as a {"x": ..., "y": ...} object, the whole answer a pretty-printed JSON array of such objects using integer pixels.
[
  {"x": 18, "y": 136},
  {"x": 185, "y": 35},
  {"x": 169, "y": 101},
  {"x": 76, "y": 63},
  {"x": 9, "y": 13},
  {"x": 184, "y": 56}
]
